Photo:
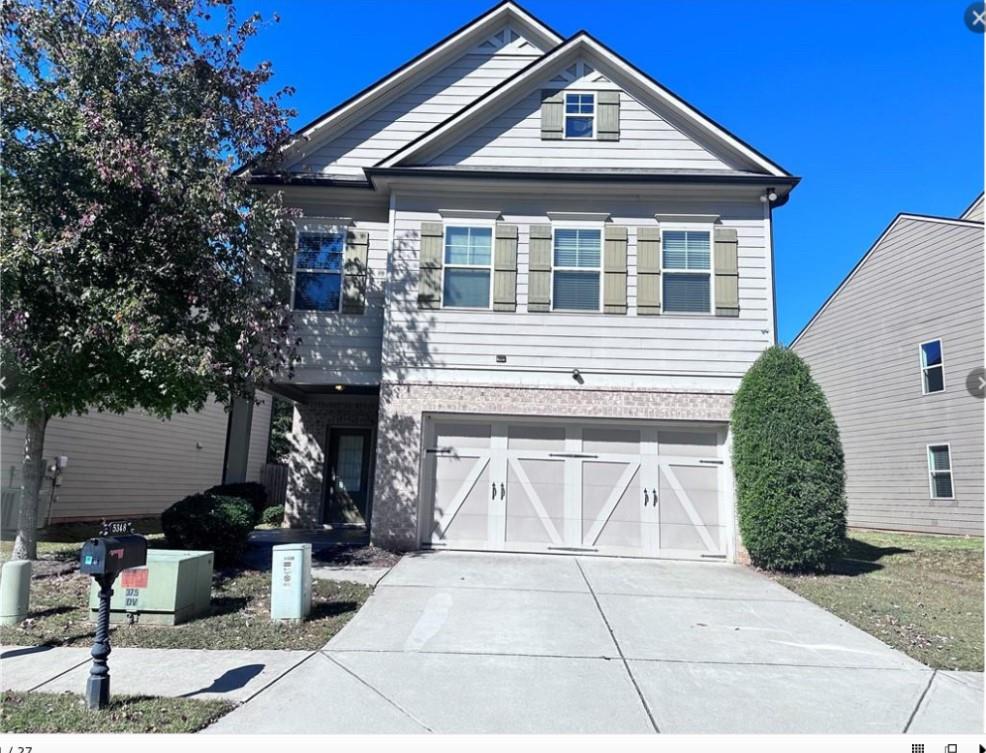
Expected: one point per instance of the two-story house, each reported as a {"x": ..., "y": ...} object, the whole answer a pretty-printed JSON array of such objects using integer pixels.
[
  {"x": 528, "y": 281},
  {"x": 896, "y": 348}
]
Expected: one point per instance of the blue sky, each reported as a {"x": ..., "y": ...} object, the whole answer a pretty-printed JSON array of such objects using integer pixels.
[{"x": 876, "y": 104}]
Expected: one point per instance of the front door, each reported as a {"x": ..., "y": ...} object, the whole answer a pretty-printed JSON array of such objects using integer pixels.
[{"x": 348, "y": 477}]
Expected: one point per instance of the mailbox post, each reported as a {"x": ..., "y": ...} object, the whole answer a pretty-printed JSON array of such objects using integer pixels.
[{"x": 104, "y": 558}]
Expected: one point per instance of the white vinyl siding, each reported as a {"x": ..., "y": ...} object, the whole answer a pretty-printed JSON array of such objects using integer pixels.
[
  {"x": 543, "y": 348},
  {"x": 513, "y": 139},
  {"x": 932, "y": 367},
  {"x": 923, "y": 279},
  {"x": 940, "y": 471},
  {"x": 401, "y": 120}
]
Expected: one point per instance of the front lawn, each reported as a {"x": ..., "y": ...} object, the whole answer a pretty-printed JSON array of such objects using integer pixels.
[
  {"x": 920, "y": 594},
  {"x": 38, "y": 713},
  {"x": 240, "y": 617}
]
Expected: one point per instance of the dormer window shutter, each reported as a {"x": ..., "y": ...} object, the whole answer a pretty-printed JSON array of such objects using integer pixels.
[
  {"x": 727, "y": 272},
  {"x": 648, "y": 271},
  {"x": 615, "y": 270},
  {"x": 430, "y": 270},
  {"x": 608, "y": 105},
  {"x": 539, "y": 268},
  {"x": 552, "y": 114},
  {"x": 355, "y": 272},
  {"x": 505, "y": 268}
]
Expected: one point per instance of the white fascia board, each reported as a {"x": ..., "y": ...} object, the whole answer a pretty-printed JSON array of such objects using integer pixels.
[
  {"x": 404, "y": 73},
  {"x": 582, "y": 43},
  {"x": 859, "y": 265}
]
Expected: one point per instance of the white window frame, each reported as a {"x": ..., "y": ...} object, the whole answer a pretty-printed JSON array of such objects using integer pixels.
[
  {"x": 565, "y": 115},
  {"x": 691, "y": 227},
  {"x": 470, "y": 223},
  {"x": 932, "y": 471},
  {"x": 575, "y": 225},
  {"x": 324, "y": 226},
  {"x": 924, "y": 368}
]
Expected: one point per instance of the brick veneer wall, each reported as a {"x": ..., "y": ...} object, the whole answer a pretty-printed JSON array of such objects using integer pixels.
[
  {"x": 395, "y": 495},
  {"x": 306, "y": 464}
]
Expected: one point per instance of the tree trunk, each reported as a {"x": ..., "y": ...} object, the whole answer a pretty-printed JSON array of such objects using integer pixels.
[{"x": 26, "y": 545}]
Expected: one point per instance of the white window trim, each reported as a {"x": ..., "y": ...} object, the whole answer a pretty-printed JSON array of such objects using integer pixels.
[
  {"x": 941, "y": 348},
  {"x": 320, "y": 225},
  {"x": 565, "y": 115},
  {"x": 563, "y": 225},
  {"x": 932, "y": 471},
  {"x": 471, "y": 223},
  {"x": 691, "y": 227}
]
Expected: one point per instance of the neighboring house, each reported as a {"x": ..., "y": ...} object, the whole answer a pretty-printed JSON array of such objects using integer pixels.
[
  {"x": 529, "y": 280},
  {"x": 135, "y": 465},
  {"x": 892, "y": 348}
]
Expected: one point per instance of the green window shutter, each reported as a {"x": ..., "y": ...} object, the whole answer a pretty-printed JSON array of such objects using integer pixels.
[
  {"x": 608, "y": 127},
  {"x": 355, "y": 272},
  {"x": 505, "y": 268},
  {"x": 552, "y": 117},
  {"x": 539, "y": 268},
  {"x": 727, "y": 272},
  {"x": 615, "y": 270},
  {"x": 648, "y": 271},
  {"x": 430, "y": 260}
]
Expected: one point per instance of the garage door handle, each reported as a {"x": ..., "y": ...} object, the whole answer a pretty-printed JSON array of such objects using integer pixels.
[
  {"x": 494, "y": 490},
  {"x": 646, "y": 498},
  {"x": 503, "y": 491}
]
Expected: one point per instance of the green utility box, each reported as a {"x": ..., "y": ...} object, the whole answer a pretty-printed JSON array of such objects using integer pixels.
[{"x": 174, "y": 587}]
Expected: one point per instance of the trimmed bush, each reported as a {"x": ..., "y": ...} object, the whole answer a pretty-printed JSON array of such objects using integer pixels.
[
  {"x": 252, "y": 492},
  {"x": 216, "y": 523},
  {"x": 273, "y": 515},
  {"x": 787, "y": 457}
]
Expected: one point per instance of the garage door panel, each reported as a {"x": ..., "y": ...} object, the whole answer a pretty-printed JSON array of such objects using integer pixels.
[
  {"x": 535, "y": 504},
  {"x": 685, "y": 537},
  {"x": 611, "y": 440},
  {"x": 463, "y": 435},
  {"x": 688, "y": 444},
  {"x": 532, "y": 437},
  {"x": 461, "y": 511}
]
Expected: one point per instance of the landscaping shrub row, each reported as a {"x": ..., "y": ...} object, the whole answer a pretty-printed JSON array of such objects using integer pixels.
[{"x": 219, "y": 519}]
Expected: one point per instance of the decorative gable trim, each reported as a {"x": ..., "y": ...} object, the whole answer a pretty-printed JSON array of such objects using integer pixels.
[
  {"x": 581, "y": 42},
  {"x": 506, "y": 41},
  {"x": 579, "y": 73}
]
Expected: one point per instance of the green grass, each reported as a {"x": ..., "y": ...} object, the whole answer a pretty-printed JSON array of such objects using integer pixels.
[
  {"x": 920, "y": 594},
  {"x": 39, "y": 713},
  {"x": 240, "y": 617}
]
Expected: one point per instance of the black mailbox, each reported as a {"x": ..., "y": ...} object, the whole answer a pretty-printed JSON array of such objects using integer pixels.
[{"x": 109, "y": 555}]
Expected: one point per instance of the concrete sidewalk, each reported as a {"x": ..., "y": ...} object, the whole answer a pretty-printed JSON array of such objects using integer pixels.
[{"x": 235, "y": 676}]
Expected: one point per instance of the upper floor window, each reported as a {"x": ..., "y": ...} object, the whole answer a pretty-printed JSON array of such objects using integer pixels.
[
  {"x": 686, "y": 262},
  {"x": 577, "y": 269},
  {"x": 580, "y": 116},
  {"x": 932, "y": 367},
  {"x": 940, "y": 471},
  {"x": 318, "y": 270},
  {"x": 468, "y": 260}
]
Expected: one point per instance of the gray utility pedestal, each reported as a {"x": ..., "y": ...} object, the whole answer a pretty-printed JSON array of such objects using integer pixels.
[
  {"x": 174, "y": 587},
  {"x": 291, "y": 582}
]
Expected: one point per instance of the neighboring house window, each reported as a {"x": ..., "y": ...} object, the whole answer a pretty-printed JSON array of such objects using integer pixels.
[
  {"x": 932, "y": 367},
  {"x": 580, "y": 116},
  {"x": 687, "y": 271},
  {"x": 940, "y": 471},
  {"x": 577, "y": 269},
  {"x": 318, "y": 270},
  {"x": 468, "y": 257}
]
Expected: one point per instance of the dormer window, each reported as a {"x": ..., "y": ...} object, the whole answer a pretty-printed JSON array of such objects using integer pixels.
[{"x": 580, "y": 115}]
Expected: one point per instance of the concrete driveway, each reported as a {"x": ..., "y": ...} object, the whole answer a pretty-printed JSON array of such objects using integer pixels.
[{"x": 474, "y": 643}]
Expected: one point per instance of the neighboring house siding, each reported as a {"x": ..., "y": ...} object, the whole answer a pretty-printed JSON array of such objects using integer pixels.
[
  {"x": 922, "y": 282},
  {"x": 337, "y": 347},
  {"x": 406, "y": 117},
  {"x": 513, "y": 139},
  {"x": 670, "y": 350},
  {"x": 133, "y": 465},
  {"x": 975, "y": 212}
]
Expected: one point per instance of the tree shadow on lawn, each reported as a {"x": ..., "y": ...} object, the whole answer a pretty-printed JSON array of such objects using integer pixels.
[
  {"x": 323, "y": 609},
  {"x": 862, "y": 558}
]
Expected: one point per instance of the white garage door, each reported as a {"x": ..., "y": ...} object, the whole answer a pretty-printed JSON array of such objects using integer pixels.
[{"x": 634, "y": 490}]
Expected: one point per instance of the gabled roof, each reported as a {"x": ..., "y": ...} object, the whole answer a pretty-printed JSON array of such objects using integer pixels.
[
  {"x": 581, "y": 42},
  {"x": 370, "y": 96},
  {"x": 852, "y": 272}
]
